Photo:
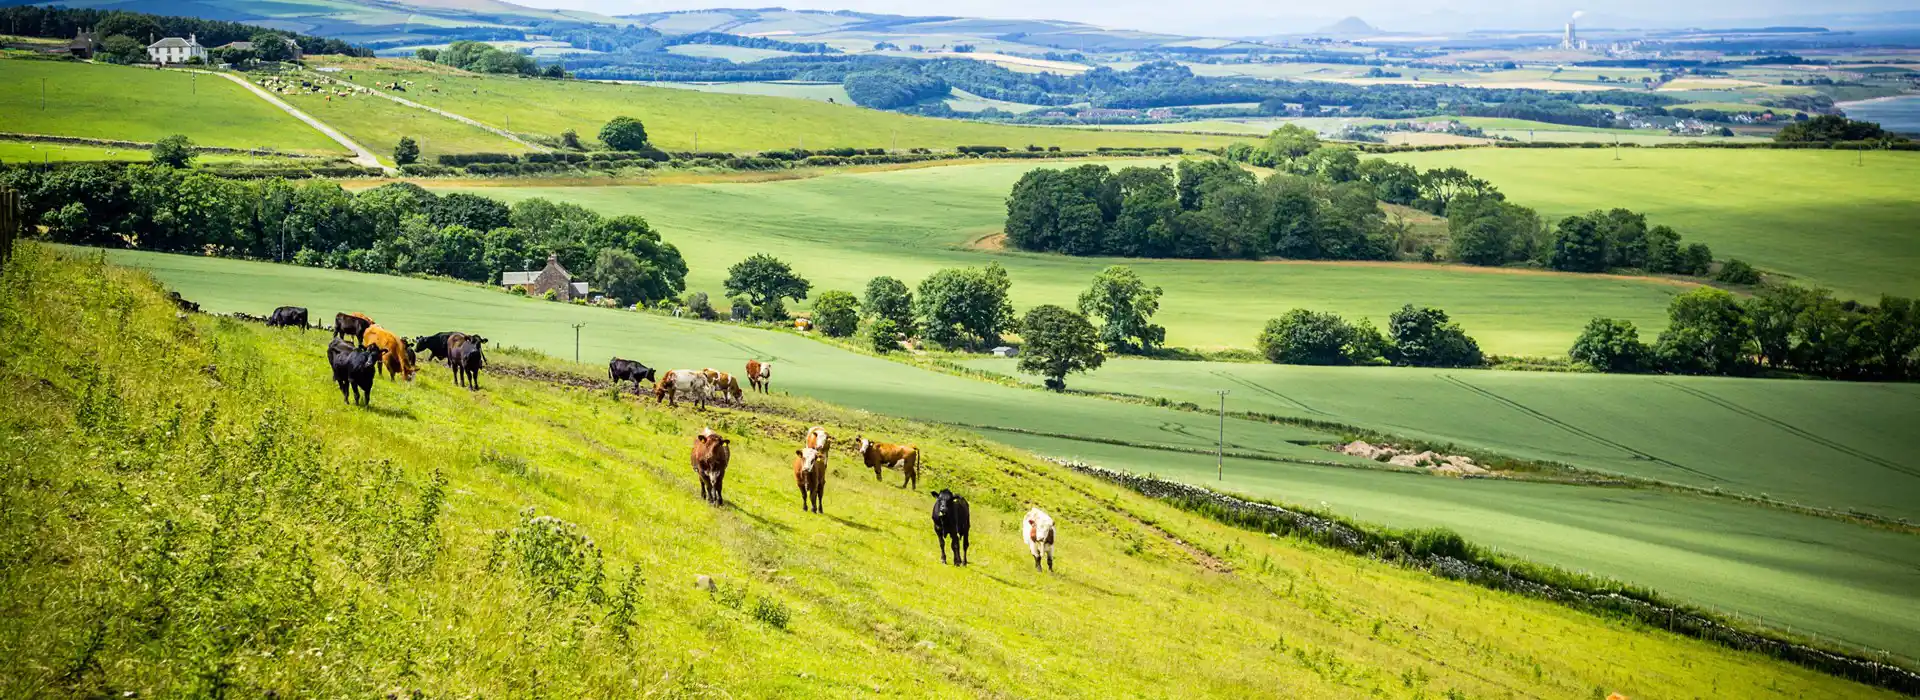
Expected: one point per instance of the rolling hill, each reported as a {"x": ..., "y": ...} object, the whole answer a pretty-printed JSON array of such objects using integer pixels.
[{"x": 285, "y": 543}]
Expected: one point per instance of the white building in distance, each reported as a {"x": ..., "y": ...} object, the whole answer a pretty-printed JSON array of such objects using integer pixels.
[{"x": 174, "y": 49}]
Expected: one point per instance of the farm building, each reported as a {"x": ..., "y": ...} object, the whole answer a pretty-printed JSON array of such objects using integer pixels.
[
  {"x": 83, "y": 45},
  {"x": 174, "y": 49},
  {"x": 551, "y": 278}
]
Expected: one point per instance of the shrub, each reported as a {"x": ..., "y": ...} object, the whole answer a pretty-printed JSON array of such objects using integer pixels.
[
  {"x": 1611, "y": 345},
  {"x": 624, "y": 134},
  {"x": 770, "y": 611},
  {"x": 406, "y": 152},
  {"x": 741, "y": 310},
  {"x": 570, "y": 139},
  {"x": 549, "y": 295},
  {"x": 1303, "y": 337},
  {"x": 1737, "y": 271},
  {"x": 836, "y": 313},
  {"x": 698, "y": 305},
  {"x": 1426, "y": 338},
  {"x": 554, "y": 556},
  {"x": 174, "y": 151},
  {"x": 883, "y": 336}
]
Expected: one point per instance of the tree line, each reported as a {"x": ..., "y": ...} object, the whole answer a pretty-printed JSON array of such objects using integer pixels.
[
  {"x": 480, "y": 57},
  {"x": 398, "y": 228},
  {"x": 1782, "y": 327},
  {"x": 141, "y": 27}
]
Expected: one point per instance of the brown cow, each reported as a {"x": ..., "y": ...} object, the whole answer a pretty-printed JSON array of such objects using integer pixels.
[
  {"x": 810, "y": 468},
  {"x": 881, "y": 455},
  {"x": 710, "y": 456},
  {"x": 351, "y": 326},
  {"x": 759, "y": 374},
  {"x": 721, "y": 384},
  {"x": 397, "y": 360}
]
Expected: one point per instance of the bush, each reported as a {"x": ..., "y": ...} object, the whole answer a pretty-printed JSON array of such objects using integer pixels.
[
  {"x": 883, "y": 336},
  {"x": 1426, "y": 338},
  {"x": 836, "y": 313},
  {"x": 741, "y": 310},
  {"x": 698, "y": 305},
  {"x": 1737, "y": 271},
  {"x": 174, "y": 151},
  {"x": 1611, "y": 345},
  {"x": 770, "y": 611},
  {"x": 406, "y": 152},
  {"x": 1303, "y": 337}
]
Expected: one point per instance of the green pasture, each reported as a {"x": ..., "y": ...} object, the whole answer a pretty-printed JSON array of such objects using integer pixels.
[
  {"x": 1844, "y": 578},
  {"x": 1642, "y": 137},
  {"x": 1833, "y": 218},
  {"x": 145, "y": 104},
  {"x": 378, "y": 123},
  {"x": 39, "y": 152},
  {"x": 1832, "y": 445},
  {"x": 841, "y": 230},
  {"x": 737, "y": 54},
  {"x": 726, "y": 122},
  {"x": 302, "y": 534},
  {"x": 819, "y": 92}
]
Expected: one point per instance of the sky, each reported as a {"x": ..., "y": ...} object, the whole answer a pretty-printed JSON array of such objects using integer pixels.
[{"x": 1254, "y": 17}]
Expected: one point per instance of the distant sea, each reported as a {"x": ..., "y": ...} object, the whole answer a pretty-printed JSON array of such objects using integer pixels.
[{"x": 1901, "y": 114}]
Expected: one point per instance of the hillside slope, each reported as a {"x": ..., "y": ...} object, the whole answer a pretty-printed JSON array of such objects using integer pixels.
[{"x": 190, "y": 510}]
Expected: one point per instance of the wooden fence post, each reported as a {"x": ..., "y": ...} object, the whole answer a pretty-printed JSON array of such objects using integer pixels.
[{"x": 10, "y": 225}]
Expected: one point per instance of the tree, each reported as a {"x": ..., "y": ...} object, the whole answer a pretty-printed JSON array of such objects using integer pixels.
[
  {"x": 1579, "y": 246},
  {"x": 1125, "y": 306},
  {"x": 1290, "y": 141},
  {"x": 765, "y": 281},
  {"x": 1707, "y": 333},
  {"x": 1488, "y": 231},
  {"x": 887, "y": 298},
  {"x": 570, "y": 139},
  {"x": 1057, "y": 342},
  {"x": 1737, "y": 271},
  {"x": 1303, "y": 337},
  {"x": 1833, "y": 127},
  {"x": 1610, "y": 345},
  {"x": 965, "y": 305},
  {"x": 175, "y": 151},
  {"x": 1198, "y": 178},
  {"x": 836, "y": 313},
  {"x": 620, "y": 274},
  {"x": 269, "y": 46},
  {"x": 1335, "y": 163},
  {"x": 624, "y": 134},
  {"x": 1774, "y": 315},
  {"x": 1398, "y": 183},
  {"x": 1425, "y": 337},
  {"x": 122, "y": 49},
  {"x": 474, "y": 211},
  {"x": 406, "y": 152},
  {"x": 1695, "y": 259},
  {"x": 700, "y": 306}
]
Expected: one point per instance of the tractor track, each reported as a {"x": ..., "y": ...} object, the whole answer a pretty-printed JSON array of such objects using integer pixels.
[
  {"x": 1573, "y": 429},
  {"x": 1792, "y": 429}
]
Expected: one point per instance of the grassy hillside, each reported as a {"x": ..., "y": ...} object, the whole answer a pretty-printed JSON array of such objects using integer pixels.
[
  {"x": 143, "y": 104},
  {"x": 1814, "y": 215},
  {"x": 194, "y": 512},
  {"x": 1828, "y": 577},
  {"x": 724, "y": 122},
  {"x": 378, "y": 123},
  {"x": 909, "y": 223}
]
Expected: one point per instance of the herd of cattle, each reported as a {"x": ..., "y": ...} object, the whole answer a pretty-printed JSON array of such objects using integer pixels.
[{"x": 355, "y": 365}]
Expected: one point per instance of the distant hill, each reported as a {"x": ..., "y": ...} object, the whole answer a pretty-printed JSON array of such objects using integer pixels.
[
  {"x": 1351, "y": 26},
  {"x": 367, "y": 22}
]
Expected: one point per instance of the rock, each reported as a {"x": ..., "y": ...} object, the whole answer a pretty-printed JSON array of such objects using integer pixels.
[
  {"x": 926, "y": 644},
  {"x": 703, "y": 582}
]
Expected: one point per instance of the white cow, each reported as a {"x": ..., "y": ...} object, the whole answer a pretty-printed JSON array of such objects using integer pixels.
[
  {"x": 681, "y": 381},
  {"x": 1038, "y": 532}
]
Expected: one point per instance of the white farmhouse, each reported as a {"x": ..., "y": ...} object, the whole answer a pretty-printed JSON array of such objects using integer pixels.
[{"x": 174, "y": 49}]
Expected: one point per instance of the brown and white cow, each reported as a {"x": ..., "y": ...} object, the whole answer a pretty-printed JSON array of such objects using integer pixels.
[
  {"x": 759, "y": 374},
  {"x": 721, "y": 384},
  {"x": 882, "y": 455},
  {"x": 710, "y": 456},
  {"x": 810, "y": 468},
  {"x": 681, "y": 381}
]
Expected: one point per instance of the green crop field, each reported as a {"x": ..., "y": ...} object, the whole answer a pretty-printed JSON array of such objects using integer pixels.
[
  {"x": 378, "y": 123},
  {"x": 1836, "y": 579},
  {"x": 143, "y": 104},
  {"x": 737, "y": 54},
  {"x": 1834, "y": 445},
  {"x": 1813, "y": 215},
  {"x": 909, "y": 223},
  {"x": 820, "y": 92},
  {"x": 265, "y": 552},
  {"x": 38, "y": 152},
  {"x": 725, "y": 122}
]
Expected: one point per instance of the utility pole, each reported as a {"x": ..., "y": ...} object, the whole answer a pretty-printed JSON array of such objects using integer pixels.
[
  {"x": 576, "y": 342},
  {"x": 1220, "y": 449},
  {"x": 1616, "y": 147},
  {"x": 43, "y": 94},
  {"x": 696, "y": 142}
]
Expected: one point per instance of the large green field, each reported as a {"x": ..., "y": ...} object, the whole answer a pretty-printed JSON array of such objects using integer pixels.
[
  {"x": 531, "y": 540},
  {"x": 1814, "y": 215},
  {"x": 841, "y": 230},
  {"x": 1835, "y": 445},
  {"x": 142, "y": 104},
  {"x": 1831, "y": 578},
  {"x": 725, "y": 122},
  {"x": 378, "y": 123}
]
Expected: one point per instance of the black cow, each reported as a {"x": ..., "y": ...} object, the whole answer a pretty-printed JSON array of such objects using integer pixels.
[
  {"x": 351, "y": 326},
  {"x": 435, "y": 346},
  {"x": 353, "y": 369},
  {"x": 288, "y": 316},
  {"x": 465, "y": 359},
  {"x": 183, "y": 303},
  {"x": 620, "y": 370},
  {"x": 951, "y": 522}
]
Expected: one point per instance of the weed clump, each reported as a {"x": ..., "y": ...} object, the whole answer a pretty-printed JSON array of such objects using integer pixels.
[{"x": 553, "y": 555}]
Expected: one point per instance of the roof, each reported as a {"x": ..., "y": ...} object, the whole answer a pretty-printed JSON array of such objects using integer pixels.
[
  {"x": 509, "y": 279},
  {"x": 239, "y": 45},
  {"x": 579, "y": 289},
  {"x": 172, "y": 42}
]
